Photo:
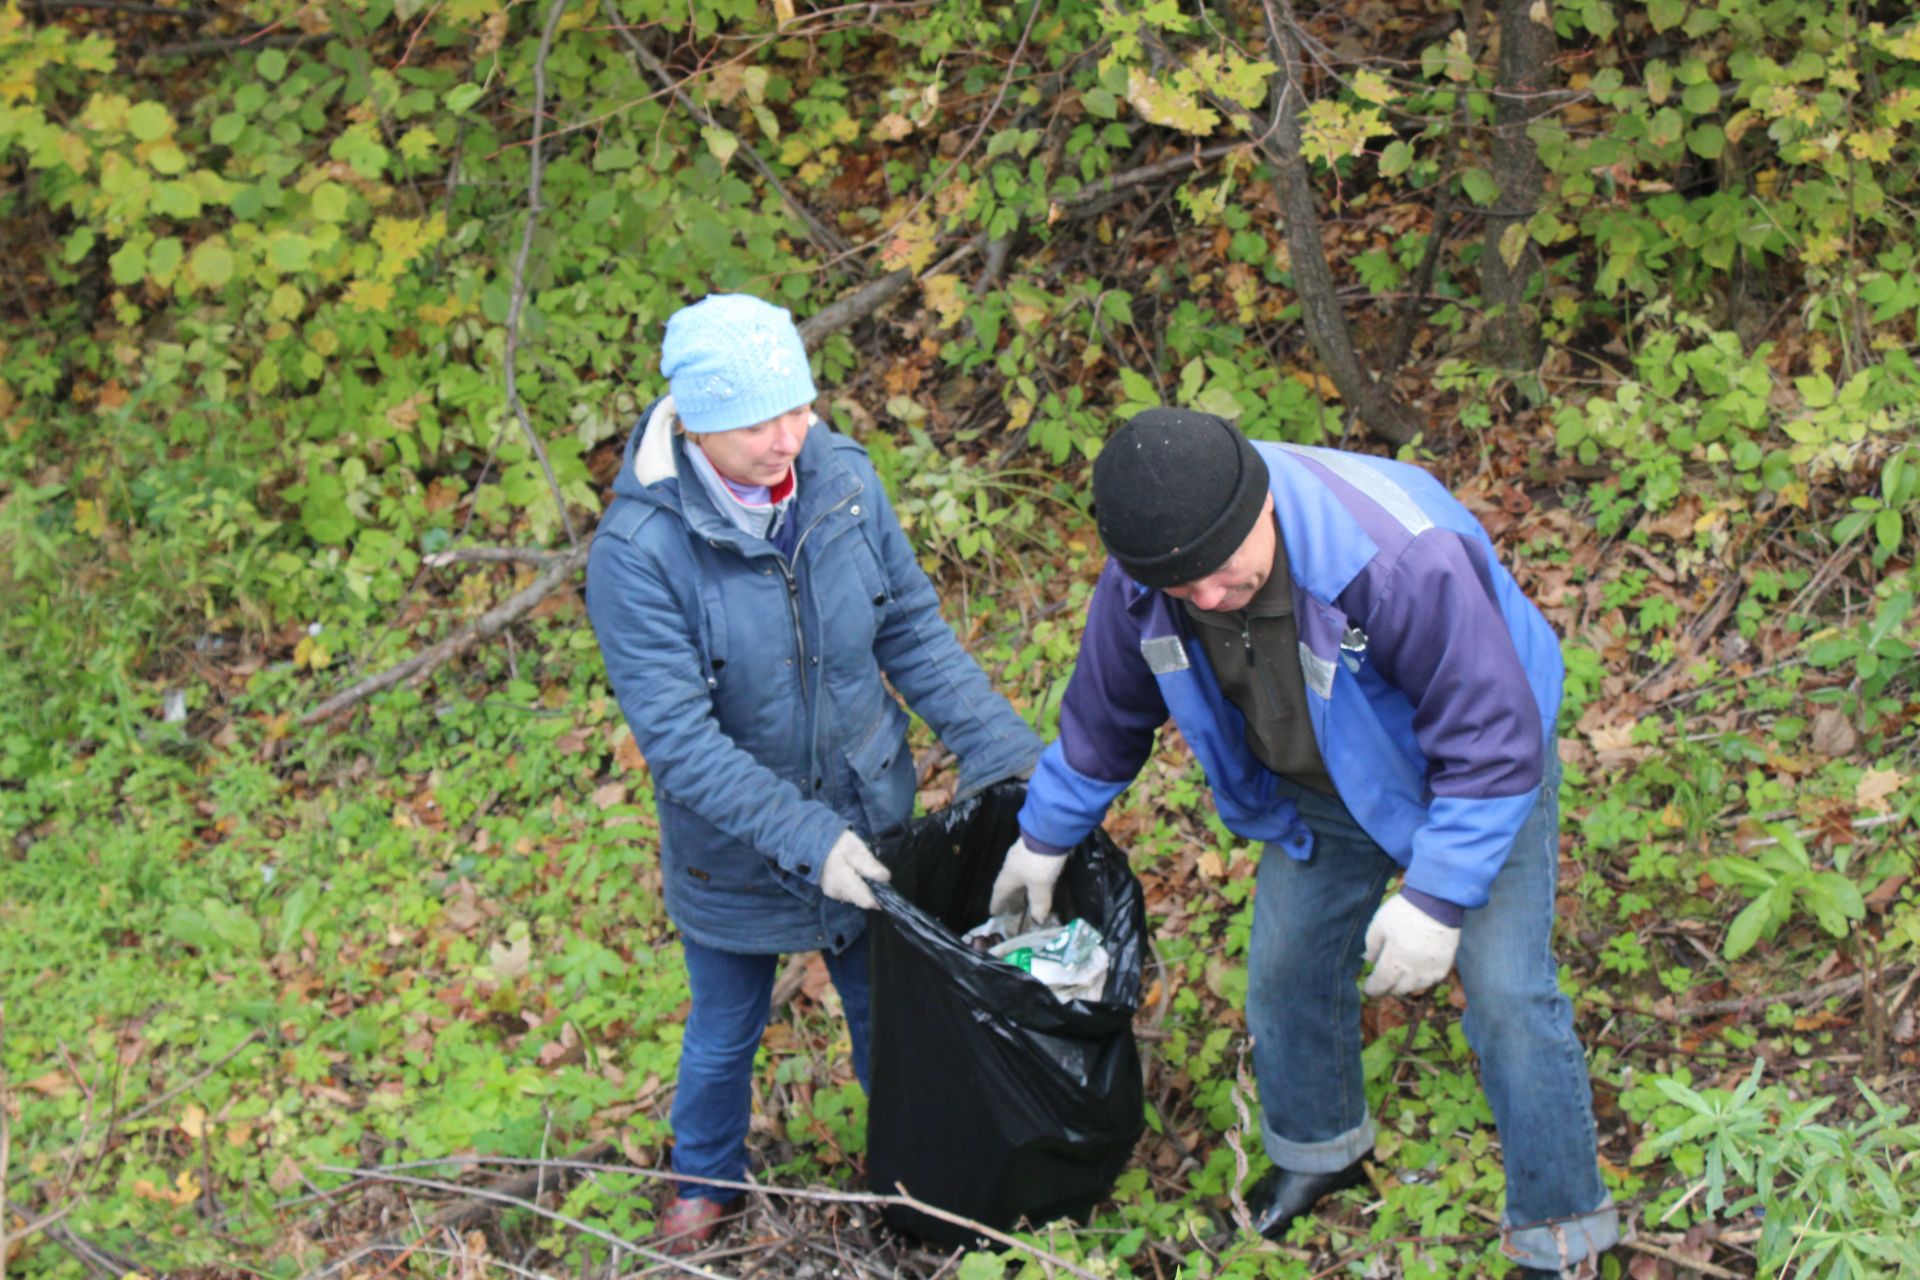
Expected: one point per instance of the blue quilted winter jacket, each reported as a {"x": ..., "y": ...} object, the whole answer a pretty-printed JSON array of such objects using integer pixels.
[{"x": 753, "y": 684}]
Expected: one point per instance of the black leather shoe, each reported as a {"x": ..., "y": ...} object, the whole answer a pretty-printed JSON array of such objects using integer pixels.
[{"x": 1281, "y": 1196}]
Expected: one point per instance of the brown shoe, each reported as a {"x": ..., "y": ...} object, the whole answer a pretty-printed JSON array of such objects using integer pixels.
[{"x": 687, "y": 1225}]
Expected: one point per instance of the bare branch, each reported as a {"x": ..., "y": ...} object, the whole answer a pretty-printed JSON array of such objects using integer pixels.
[
  {"x": 265, "y": 38},
  {"x": 859, "y": 304},
  {"x": 120, "y": 6},
  {"x": 536, "y": 171},
  {"x": 490, "y": 555}
]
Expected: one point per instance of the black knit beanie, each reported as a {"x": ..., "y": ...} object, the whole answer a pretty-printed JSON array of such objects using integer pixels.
[{"x": 1175, "y": 493}]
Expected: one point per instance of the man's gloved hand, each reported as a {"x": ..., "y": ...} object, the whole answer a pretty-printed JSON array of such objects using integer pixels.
[
  {"x": 1409, "y": 949},
  {"x": 850, "y": 864},
  {"x": 1026, "y": 879}
]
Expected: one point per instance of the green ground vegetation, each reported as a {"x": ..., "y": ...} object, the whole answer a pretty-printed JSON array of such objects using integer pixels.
[{"x": 260, "y": 267}]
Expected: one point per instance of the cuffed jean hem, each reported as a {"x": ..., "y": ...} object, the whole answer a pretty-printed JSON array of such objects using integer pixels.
[
  {"x": 1330, "y": 1156},
  {"x": 1557, "y": 1246}
]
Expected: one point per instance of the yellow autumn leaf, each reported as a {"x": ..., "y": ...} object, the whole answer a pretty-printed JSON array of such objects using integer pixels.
[
  {"x": 74, "y": 151},
  {"x": 193, "y": 1121},
  {"x": 1158, "y": 102},
  {"x": 910, "y": 246},
  {"x": 401, "y": 240},
  {"x": 1372, "y": 87},
  {"x": 1019, "y": 412},
  {"x": 311, "y": 653},
  {"x": 1875, "y": 786},
  {"x": 947, "y": 296},
  {"x": 369, "y": 295},
  {"x": 88, "y": 519},
  {"x": 1513, "y": 243},
  {"x": 438, "y": 313},
  {"x": 1318, "y": 383},
  {"x": 285, "y": 302},
  {"x": 185, "y": 1189}
]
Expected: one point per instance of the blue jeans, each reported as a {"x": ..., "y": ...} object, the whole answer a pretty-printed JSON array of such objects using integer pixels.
[
  {"x": 1303, "y": 1007},
  {"x": 713, "y": 1100}
]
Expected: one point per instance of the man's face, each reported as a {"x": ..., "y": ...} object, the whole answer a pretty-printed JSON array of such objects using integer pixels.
[
  {"x": 759, "y": 455},
  {"x": 1234, "y": 584}
]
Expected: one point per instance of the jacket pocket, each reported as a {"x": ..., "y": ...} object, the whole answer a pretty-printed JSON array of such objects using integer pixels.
[
  {"x": 883, "y": 771},
  {"x": 696, "y": 856}
]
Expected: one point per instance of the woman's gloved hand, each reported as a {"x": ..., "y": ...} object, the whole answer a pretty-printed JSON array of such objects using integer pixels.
[
  {"x": 850, "y": 864},
  {"x": 1409, "y": 949},
  {"x": 1026, "y": 879}
]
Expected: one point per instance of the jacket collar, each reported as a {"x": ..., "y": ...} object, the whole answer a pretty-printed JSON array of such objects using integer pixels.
[{"x": 656, "y": 468}]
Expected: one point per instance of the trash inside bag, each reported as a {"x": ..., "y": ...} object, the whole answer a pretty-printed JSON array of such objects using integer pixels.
[
  {"x": 1067, "y": 957},
  {"x": 995, "y": 1097}
]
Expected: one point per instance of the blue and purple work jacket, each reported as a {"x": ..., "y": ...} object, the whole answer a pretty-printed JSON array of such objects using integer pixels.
[{"x": 1432, "y": 681}]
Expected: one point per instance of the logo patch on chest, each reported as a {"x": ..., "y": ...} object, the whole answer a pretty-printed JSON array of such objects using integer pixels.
[
  {"x": 1164, "y": 654},
  {"x": 1317, "y": 670}
]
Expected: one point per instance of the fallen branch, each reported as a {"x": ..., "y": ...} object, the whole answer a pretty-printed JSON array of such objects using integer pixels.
[
  {"x": 518, "y": 1202},
  {"x": 490, "y": 623},
  {"x": 1683, "y": 1263},
  {"x": 858, "y": 305},
  {"x": 1739, "y": 1004},
  {"x": 902, "y": 1199},
  {"x": 1102, "y": 193},
  {"x": 825, "y": 235}
]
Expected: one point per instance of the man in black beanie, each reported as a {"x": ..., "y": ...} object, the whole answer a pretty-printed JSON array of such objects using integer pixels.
[{"x": 1372, "y": 697}]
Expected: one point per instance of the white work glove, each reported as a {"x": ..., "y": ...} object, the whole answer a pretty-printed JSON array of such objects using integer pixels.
[
  {"x": 1409, "y": 949},
  {"x": 850, "y": 864},
  {"x": 1026, "y": 878}
]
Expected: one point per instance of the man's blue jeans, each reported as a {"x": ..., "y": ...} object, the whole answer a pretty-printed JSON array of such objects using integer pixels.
[
  {"x": 1303, "y": 1007},
  {"x": 713, "y": 1099}
]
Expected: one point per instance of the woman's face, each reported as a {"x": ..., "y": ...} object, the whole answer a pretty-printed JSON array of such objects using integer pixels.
[{"x": 759, "y": 455}]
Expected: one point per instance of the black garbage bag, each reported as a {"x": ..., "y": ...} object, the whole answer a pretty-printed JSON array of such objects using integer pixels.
[{"x": 992, "y": 1098}]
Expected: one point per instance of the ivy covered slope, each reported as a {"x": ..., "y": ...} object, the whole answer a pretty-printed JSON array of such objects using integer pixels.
[{"x": 303, "y": 305}]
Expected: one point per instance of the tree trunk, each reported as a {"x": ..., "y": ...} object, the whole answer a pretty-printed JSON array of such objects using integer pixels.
[
  {"x": 1326, "y": 321},
  {"x": 1512, "y": 262}
]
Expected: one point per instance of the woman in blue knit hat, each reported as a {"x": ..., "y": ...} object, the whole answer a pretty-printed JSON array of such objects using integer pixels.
[{"x": 754, "y": 597}]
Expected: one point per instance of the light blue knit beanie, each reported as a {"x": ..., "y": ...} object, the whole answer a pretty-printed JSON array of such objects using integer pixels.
[{"x": 734, "y": 361}]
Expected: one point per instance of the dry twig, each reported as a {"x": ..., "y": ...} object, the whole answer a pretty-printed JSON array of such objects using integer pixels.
[{"x": 536, "y": 171}]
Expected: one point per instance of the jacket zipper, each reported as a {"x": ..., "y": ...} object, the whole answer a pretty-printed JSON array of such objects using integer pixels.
[
  {"x": 1263, "y": 678},
  {"x": 793, "y": 597}
]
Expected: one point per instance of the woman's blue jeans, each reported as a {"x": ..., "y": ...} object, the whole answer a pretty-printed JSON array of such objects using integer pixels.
[
  {"x": 1303, "y": 1007},
  {"x": 713, "y": 1099}
]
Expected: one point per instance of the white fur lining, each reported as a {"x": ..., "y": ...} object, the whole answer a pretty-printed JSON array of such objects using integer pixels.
[{"x": 653, "y": 460}]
